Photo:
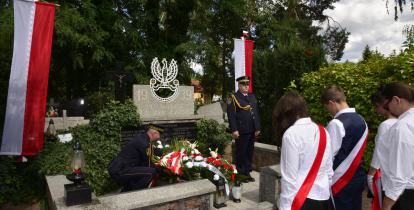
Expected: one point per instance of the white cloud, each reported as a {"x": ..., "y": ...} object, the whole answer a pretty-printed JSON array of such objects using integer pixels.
[{"x": 369, "y": 23}]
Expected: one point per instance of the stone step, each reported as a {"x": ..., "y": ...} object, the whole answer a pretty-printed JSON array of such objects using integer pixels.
[{"x": 250, "y": 197}]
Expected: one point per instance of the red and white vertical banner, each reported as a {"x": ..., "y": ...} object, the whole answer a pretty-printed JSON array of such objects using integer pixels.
[
  {"x": 26, "y": 100},
  {"x": 243, "y": 60}
]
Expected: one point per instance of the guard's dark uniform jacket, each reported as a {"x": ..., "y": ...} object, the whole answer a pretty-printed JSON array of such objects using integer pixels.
[
  {"x": 132, "y": 166},
  {"x": 244, "y": 117}
]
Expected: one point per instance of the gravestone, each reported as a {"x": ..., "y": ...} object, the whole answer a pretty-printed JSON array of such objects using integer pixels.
[{"x": 173, "y": 111}]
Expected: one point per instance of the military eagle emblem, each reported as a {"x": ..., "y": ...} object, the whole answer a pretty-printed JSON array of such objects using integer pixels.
[{"x": 164, "y": 79}]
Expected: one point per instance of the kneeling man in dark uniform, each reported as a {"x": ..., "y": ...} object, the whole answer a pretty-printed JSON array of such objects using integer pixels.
[{"x": 132, "y": 167}]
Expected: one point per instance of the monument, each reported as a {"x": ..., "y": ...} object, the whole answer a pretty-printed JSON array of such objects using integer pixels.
[{"x": 165, "y": 102}]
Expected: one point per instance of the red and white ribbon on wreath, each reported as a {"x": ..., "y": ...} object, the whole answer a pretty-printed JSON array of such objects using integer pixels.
[
  {"x": 218, "y": 172},
  {"x": 174, "y": 162}
]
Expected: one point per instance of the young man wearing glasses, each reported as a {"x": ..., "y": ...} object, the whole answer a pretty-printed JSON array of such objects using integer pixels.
[{"x": 397, "y": 159}]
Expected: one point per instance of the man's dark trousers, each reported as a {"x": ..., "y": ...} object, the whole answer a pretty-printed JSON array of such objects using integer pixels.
[
  {"x": 244, "y": 153},
  {"x": 135, "y": 178},
  {"x": 350, "y": 197}
]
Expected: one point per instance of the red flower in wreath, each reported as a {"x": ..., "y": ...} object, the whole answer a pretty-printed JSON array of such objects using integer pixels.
[
  {"x": 225, "y": 166},
  {"x": 217, "y": 163},
  {"x": 210, "y": 159}
]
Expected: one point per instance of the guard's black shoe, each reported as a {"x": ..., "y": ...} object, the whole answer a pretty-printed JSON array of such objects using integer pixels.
[
  {"x": 250, "y": 179},
  {"x": 236, "y": 200}
]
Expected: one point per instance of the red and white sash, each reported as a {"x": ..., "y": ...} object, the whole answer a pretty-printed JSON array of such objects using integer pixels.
[
  {"x": 307, "y": 184},
  {"x": 346, "y": 170},
  {"x": 376, "y": 188}
]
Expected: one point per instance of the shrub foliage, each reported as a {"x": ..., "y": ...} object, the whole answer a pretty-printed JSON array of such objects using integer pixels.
[
  {"x": 211, "y": 134},
  {"x": 100, "y": 140},
  {"x": 359, "y": 80}
]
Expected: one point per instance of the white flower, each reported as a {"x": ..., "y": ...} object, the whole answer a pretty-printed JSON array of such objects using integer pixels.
[
  {"x": 198, "y": 158},
  {"x": 213, "y": 154},
  {"x": 193, "y": 145},
  {"x": 185, "y": 158},
  {"x": 216, "y": 177},
  {"x": 196, "y": 164},
  {"x": 196, "y": 151},
  {"x": 189, "y": 164},
  {"x": 159, "y": 142},
  {"x": 167, "y": 145},
  {"x": 159, "y": 146},
  {"x": 235, "y": 171},
  {"x": 203, "y": 164}
]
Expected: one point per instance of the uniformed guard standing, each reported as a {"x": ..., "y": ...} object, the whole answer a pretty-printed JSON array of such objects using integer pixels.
[
  {"x": 244, "y": 122},
  {"x": 132, "y": 167}
]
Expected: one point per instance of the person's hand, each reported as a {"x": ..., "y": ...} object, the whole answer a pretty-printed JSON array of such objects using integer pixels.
[
  {"x": 235, "y": 135},
  {"x": 256, "y": 135},
  {"x": 387, "y": 203},
  {"x": 370, "y": 180}
]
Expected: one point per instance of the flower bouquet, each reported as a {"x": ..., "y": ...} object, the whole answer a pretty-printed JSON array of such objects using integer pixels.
[{"x": 183, "y": 161}]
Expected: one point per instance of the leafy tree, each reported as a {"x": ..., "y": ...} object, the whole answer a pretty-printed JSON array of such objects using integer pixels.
[
  {"x": 399, "y": 7},
  {"x": 6, "y": 52},
  {"x": 366, "y": 54},
  {"x": 288, "y": 45},
  {"x": 213, "y": 26},
  {"x": 408, "y": 31}
]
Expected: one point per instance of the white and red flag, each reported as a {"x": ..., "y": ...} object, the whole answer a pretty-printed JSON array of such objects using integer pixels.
[
  {"x": 243, "y": 60},
  {"x": 26, "y": 100}
]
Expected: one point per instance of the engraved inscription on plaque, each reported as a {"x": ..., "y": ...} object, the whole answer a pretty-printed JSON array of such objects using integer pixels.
[{"x": 187, "y": 130}]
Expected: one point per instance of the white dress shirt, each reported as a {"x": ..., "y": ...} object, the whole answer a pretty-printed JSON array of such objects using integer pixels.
[
  {"x": 336, "y": 130},
  {"x": 381, "y": 136},
  {"x": 298, "y": 142},
  {"x": 397, "y": 159}
]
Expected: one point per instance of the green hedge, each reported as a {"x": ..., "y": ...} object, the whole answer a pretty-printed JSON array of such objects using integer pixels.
[{"x": 359, "y": 80}]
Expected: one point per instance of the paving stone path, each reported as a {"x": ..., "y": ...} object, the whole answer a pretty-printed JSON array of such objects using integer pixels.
[{"x": 250, "y": 197}]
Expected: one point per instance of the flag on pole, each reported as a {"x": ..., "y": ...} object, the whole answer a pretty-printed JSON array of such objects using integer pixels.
[
  {"x": 243, "y": 60},
  {"x": 26, "y": 100}
]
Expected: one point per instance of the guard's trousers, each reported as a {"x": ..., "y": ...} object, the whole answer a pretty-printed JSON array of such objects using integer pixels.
[{"x": 244, "y": 153}]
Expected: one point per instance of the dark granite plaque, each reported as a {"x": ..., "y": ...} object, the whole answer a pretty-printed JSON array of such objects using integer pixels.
[{"x": 187, "y": 130}]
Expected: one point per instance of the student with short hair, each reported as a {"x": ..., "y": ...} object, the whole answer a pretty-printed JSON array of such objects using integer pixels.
[{"x": 348, "y": 131}]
